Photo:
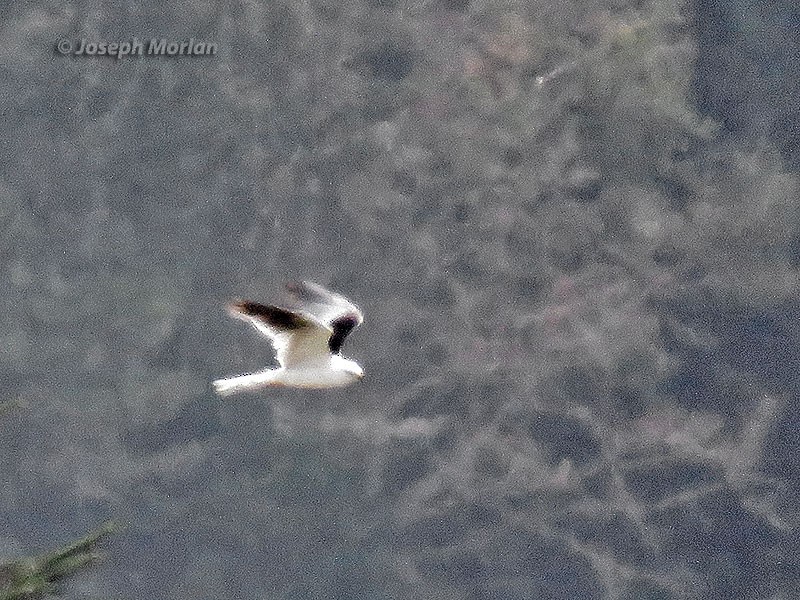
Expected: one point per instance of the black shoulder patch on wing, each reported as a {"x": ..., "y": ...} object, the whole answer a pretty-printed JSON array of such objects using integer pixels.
[
  {"x": 280, "y": 318},
  {"x": 341, "y": 328}
]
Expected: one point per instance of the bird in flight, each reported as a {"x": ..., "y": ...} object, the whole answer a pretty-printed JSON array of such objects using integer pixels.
[{"x": 307, "y": 339}]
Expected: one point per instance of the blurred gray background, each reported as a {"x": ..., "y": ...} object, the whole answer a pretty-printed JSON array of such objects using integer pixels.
[{"x": 573, "y": 228}]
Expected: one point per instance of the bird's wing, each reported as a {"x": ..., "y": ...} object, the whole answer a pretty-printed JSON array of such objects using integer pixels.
[
  {"x": 298, "y": 339},
  {"x": 336, "y": 311}
]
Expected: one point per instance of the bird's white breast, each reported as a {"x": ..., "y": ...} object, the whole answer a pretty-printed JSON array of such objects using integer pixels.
[{"x": 316, "y": 377}]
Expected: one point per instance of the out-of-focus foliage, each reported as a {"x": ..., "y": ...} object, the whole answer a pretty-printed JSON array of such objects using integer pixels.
[
  {"x": 8, "y": 406},
  {"x": 581, "y": 336},
  {"x": 746, "y": 75},
  {"x": 39, "y": 576}
]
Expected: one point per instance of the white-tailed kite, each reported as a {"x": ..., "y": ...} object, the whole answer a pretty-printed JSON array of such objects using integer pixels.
[{"x": 307, "y": 339}]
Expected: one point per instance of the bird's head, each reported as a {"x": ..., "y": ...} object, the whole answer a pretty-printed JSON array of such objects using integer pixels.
[
  {"x": 350, "y": 367},
  {"x": 354, "y": 369},
  {"x": 358, "y": 372}
]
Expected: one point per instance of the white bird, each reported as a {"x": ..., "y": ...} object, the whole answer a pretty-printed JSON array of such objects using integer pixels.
[{"x": 307, "y": 340}]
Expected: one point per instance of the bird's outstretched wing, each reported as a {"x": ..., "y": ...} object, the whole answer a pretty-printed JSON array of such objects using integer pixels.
[
  {"x": 335, "y": 311},
  {"x": 298, "y": 339}
]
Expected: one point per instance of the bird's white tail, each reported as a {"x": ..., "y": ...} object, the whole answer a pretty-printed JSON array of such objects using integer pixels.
[{"x": 241, "y": 383}]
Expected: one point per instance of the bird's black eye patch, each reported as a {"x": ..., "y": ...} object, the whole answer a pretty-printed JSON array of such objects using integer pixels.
[{"x": 341, "y": 328}]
